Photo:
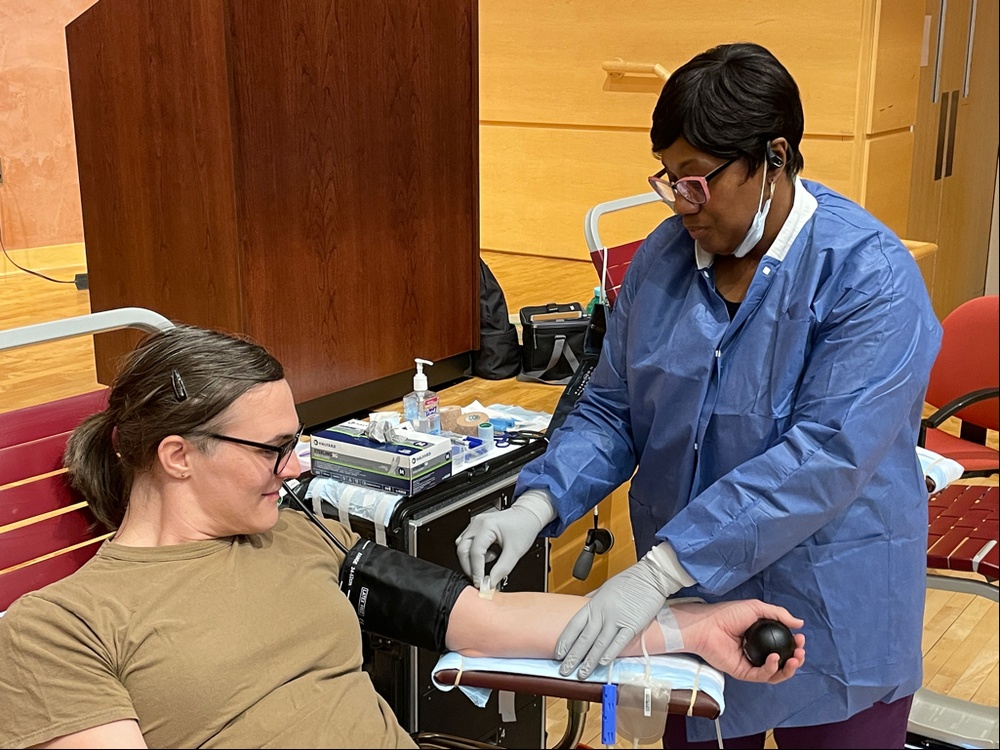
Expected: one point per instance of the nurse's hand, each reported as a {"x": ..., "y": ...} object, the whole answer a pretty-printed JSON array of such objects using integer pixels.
[
  {"x": 715, "y": 633},
  {"x": 514, "y": 530},
  {"x": 617, "y": 612}
]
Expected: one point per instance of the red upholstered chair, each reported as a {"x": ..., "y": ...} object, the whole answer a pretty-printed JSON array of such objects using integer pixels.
[
  {"x": 612, "y": 262},
  {"x": 46, "y": 531},
  {"x": 964, "y": 384}
]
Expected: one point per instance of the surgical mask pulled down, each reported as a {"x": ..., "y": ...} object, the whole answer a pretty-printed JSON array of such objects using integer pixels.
[{"x": 756, "y": 230}]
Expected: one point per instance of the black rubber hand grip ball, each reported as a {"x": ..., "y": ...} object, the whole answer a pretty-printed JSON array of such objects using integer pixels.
[{"x": 766, "y": 637}]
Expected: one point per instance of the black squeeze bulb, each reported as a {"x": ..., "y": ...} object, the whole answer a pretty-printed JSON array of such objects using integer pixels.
[{"x": 768, "y": 637}]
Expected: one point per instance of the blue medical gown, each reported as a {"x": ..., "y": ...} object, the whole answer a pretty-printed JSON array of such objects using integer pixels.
[{"x": 775, "y": 452}]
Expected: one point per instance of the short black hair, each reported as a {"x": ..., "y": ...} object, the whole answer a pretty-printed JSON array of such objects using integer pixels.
[{"x": 730, "y": 101}]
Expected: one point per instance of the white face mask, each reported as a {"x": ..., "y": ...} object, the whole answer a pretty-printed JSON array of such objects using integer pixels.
[{"x": 756, "y": 230}]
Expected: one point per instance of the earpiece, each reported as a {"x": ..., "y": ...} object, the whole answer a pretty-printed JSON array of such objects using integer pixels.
[{"x": 774, "y": 159}]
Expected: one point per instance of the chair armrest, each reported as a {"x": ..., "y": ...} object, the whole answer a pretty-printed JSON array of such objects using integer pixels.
[
  {"x": 960, "y": 585},
  {"x": 590, "y": 232},
  {"x": 82, "y": 325},
  {"x": 680, "y": 700},
  {"x": 953, "y": 407}
]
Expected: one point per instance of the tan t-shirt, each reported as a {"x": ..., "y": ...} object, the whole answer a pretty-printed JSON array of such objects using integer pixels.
[{"x": 239, "y": 642}]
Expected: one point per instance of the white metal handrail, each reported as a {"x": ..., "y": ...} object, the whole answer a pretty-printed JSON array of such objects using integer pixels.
[{"x": 81, "y": 325}]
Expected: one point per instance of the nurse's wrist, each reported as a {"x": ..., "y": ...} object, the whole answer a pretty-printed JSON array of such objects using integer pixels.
[
  {"x": 539, "y": 503},
  {"x": 670, "y": 574}
]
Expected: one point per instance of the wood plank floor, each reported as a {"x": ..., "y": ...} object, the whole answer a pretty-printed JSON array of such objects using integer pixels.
[{"x": 960, "y": 631}]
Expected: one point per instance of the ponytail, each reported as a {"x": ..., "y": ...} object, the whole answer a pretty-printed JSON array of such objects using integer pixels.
[{"x": 96, "y": 472}]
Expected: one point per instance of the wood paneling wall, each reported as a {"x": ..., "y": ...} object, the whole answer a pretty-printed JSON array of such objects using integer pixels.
[
  {"x": 953, "y": 183},
  {"x": 559, "y": 135},
  {"x": 40, "y": 195}
]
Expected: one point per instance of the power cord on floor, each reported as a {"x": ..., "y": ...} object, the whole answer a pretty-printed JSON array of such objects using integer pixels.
[{"x": 77, "y": 280}]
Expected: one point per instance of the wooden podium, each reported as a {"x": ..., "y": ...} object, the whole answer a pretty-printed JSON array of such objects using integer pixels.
[{"x": 305, "y": 173}]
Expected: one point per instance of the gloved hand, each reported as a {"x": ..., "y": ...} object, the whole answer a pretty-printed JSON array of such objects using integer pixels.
[
  {"x": 514, "y": 529},
  {"x": 618, "y": 611}
]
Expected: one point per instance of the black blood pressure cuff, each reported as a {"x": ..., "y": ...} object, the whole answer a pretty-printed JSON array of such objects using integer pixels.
[{"x": 399, "y": 596}]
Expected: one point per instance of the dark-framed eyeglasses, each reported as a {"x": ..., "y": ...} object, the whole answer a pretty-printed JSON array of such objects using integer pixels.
[
  {"x": 283, "y": 451},
  {"x": 692, "y": 189}
]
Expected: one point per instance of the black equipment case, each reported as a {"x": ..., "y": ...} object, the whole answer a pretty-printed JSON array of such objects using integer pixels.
[{"x": 426, "y": 526}]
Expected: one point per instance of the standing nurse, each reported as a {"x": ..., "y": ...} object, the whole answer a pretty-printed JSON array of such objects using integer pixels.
[{"x": 763, "y": 378}]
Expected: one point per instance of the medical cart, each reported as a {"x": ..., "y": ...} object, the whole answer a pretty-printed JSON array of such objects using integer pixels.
[{"x": 426, "y": 526}]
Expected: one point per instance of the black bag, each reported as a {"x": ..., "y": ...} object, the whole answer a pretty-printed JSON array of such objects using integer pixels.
[
  {"x": 552, "y": 339},
  {"x": 499, "y": 354}
]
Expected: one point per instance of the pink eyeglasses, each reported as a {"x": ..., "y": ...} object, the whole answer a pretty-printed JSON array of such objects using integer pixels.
[{"x": 692, "y": 189}]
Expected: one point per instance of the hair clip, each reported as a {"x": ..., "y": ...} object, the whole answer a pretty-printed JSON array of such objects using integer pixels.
[{"x": 180, "y": 392}]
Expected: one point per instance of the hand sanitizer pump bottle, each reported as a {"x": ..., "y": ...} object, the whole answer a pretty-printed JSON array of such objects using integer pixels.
[{"x": 420, "y": 407}]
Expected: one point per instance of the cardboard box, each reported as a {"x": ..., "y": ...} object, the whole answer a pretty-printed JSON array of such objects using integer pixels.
[{"x": 411, "y": 463}]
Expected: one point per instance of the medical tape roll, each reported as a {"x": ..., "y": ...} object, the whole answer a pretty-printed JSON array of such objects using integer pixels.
[
  {"x": 449, "y": 417},
  {"x": 485, "y": 433},
  {"x": 468, "y": 424},
  {"x": 396, "y": 595}
]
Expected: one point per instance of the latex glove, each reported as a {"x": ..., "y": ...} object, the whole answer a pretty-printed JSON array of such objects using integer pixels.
[
  {"x": 715, "y": 633},
  {"x": 514, "y": 529},
  {"x": 618, "y": 611}
]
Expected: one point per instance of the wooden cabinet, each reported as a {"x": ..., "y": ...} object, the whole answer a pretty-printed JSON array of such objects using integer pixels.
[
  {"x": 559, "y": 134},
  {"x": 305, "y": 173},
  {"x": 955, "y": 153},
  {"x": 925, "y": 255}
]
